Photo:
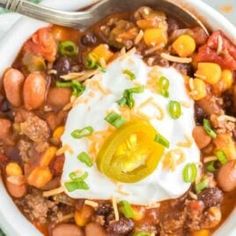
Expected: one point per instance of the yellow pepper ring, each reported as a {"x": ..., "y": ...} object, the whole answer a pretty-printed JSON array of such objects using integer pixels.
[{"x": 130, "y": 154}]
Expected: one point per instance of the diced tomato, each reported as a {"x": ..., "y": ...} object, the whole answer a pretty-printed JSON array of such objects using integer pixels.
[
  {"x": 42, "y": 43},
  {"x": 223, "y": 53}
]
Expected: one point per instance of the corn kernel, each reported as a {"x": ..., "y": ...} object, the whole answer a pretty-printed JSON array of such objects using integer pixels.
[
  {"x": 209, "y": 72},
  {"x": 83, "y": 215},
  {"x": 58, "y": 132},
  {"x": 39, "y": 177},
  {"x": 48, "y": 156},
  {"x": 198, "y": 89},
  {"x": 13, "y": 169},
  {"x": 138, "y": 213},
  {"x": 155, "y": 37},
  {"x": 102, "y": 52},
  {"x": 203, "y": 232},
  {"x": 227, "y": 79},
  {"x": 184, "y": 45}
]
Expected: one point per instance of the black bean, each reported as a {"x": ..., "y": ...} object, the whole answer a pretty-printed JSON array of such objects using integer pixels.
[
  {"x": 186, "y": 69},
  {"x": 62, "y": 65},
  {"x": 199, "y": 114},
  {"x": 123, "y": 226},
  {"x": 211, "y": 197},
  {"x": 89, "y": 39},
  {"x": 104, "y": 209}
]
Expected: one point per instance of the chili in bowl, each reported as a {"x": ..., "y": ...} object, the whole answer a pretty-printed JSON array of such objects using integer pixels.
[{"x": 125, "y": 129}]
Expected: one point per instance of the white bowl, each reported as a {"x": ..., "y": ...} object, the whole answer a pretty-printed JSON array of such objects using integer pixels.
[{"x": 14, "y": 30}]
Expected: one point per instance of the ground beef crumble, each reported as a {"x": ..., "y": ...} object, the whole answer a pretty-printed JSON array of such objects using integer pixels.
[
  {"x": 35, "y": 129},
  {"x": 40, "y": 209}
]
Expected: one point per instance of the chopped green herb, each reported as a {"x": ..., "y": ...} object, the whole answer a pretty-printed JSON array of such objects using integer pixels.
[
  {"x": 85, "y": 158},
  {"x": 208, "y": 129},
  {"x": 162, "y": 140},
  {"x": 126, "y": 209},
  {"x": 76, "y": 86},
  {"x": 221, "y": 156},
  {"x": 201, "y": 185},
  {"x": 127, "y": 98},
  {"x": 75, "y": 185},
  {"x": 80, "y": 133},
  {"x": 174, "y": 109},
  {"x": 75, "y": 176},
  {"x": 210, "y": 166},
  {"x": 129, "y": 74},
  {"x": 163, "y": 86},
  {"x": 190, "y": 173},
  {"x": 92, "y": 62},
  {"x": 115, "y": 119},
  {"x": 77, "y": 182},
  {"x": 68, "y": 48}
]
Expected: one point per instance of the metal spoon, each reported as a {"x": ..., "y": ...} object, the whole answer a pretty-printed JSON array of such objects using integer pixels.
[{"x": 84, "y": 19}]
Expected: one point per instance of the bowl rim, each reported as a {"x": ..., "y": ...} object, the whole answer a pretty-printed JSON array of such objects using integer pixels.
[{"x": 209, "y": 16}]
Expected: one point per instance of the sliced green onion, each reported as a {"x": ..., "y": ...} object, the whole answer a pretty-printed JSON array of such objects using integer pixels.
[
  {"x": 91, "y": 61},
  {"x": 115, "y": 119},
  {"x": 210, "y": 166},
  {"x": 190, "y": 173},
  {"x": 85, "y": 158},
  {"x": 80, "y": 133},
  {"x": 201, "y": 185},
  {"x": 163, "y": 86},
  {"x": 129, "y": 74},
  {"x": 76, "y": 176},
  {"x": 162, "y": 140},
  {"x": 126, "y": 209},
  {"x": 75, "y": 185},
  {"x": 174, "y": 109},
  {"x": 77, "y": 182},
  {"x": 221, "y": 156},
  {"x": 208, "y": 129},
  {"x": 138, "y": 89},
  {"x": 76, "y": 86},
  {"x": 127, "y": 98},
  {"x": 68, "y": 48}
]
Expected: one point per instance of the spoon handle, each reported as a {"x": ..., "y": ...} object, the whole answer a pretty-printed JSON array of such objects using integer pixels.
[{"x": 40, "y": 12}]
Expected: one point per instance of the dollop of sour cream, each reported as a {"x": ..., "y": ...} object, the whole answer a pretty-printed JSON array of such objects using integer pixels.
[{"x": 100, "y": 97}]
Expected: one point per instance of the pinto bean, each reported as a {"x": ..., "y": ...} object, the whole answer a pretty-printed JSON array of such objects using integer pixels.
[
  {"x": 200, "y": 136},
  {"x": 122, "y": 227},
  {"x": 211, "y": 197},
  {"x": 5, "y": 128},
  {"x": 58, "y": 97},
  {"x": 16, "y": 190},
  {"x": 34, "y": 91},
  {"x": 210, "y": 105},
  {"x": 226, "y": 177},
  {"x": 67, "y": 230},
  {"x": 13, "y": 83},
  {"x": 93, "y": 229}
]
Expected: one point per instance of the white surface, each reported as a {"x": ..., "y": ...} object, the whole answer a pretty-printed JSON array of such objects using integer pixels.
[
  {"x": 11, "y": 219},
  {"x": 161, "y": 184}
]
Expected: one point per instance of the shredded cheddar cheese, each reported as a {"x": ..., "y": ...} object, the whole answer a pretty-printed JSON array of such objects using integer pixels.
[
  {"x": 173, "y": 158},
  {"x": 186, "y": 143},
  {"x": 115, "y": 207},
  {"x": 171, "y": 58},
  {"x": 91, "y": 203},
  {"x": 53, "y": 192},
  {"x": 63, "y": 149},
  {"x": 148, "y": 102}
]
